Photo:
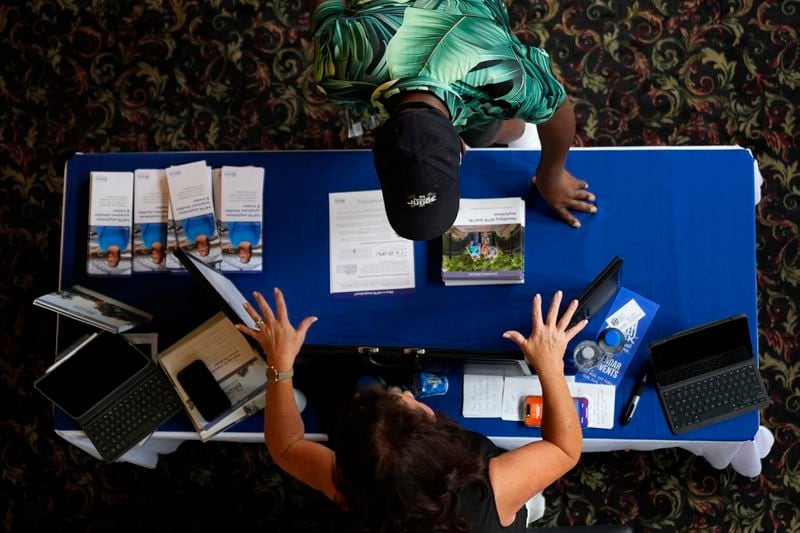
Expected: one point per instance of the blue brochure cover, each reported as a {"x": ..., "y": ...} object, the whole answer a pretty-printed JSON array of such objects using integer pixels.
[{"x": 632, "y": 314}]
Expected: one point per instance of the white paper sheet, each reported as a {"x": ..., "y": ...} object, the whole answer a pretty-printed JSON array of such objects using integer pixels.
[
  {"x": 367, "y": 256},
  {"x": 600, "y": 412},
  {"x": 483, "y": 396}
]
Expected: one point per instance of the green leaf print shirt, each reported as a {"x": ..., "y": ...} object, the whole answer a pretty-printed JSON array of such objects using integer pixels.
[{"x": 460, "y": 50}]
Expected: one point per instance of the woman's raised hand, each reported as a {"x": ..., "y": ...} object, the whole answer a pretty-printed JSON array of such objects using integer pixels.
[
  {"x": 544, "y": 348},
  {"x": 280, "y": 340}
]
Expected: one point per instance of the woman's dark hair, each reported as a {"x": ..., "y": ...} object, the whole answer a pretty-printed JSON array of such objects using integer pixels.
[{"x": 398, "y": 470}]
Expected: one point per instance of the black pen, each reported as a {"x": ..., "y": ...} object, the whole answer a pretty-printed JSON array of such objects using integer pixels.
[{"x": 631, "y": 408}]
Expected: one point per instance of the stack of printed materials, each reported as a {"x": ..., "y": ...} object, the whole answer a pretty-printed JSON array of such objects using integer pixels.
[{"x": 137, "y": 219}]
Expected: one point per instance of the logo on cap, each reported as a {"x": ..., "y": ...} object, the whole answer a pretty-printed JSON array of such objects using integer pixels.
[{"x": 420, "y": 200}]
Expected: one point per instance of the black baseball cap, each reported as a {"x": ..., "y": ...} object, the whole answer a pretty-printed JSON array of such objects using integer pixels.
[{"x": 417, "y": 155}]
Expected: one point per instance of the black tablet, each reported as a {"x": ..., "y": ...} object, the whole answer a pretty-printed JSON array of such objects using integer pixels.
[
  {"x": 604, "y": 287},
  {"x": 91, "y": 372}
]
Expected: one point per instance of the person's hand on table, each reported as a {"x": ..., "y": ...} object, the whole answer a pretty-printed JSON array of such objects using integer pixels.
[
  {"x": 545, "y": 347},
  {"x": 562, "y": 191},
  {"x": 280, "y": 341}
]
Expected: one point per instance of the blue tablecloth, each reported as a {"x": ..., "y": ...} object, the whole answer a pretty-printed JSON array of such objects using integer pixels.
[{"x": 682, "y": 220}]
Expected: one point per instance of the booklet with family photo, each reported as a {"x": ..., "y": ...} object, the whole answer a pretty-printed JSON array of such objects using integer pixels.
[
  {"x": 93, "y": 308},
  {"x": 191, "y": 197},
  {"x": 218, "y": 375},
  {"x": 150, "y": 218},
  {"x": 486, "y": 244},
  {"x": 240, "y": 192},
  {"x": 110, "y": 220}
]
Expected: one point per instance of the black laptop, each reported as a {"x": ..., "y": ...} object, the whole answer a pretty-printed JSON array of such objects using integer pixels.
[
  {"x": 116, "y": 393},
  {"x": 707, "y": 374}
]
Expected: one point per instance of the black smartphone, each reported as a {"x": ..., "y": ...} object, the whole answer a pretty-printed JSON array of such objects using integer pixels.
[{"x": 199, "y": 384}]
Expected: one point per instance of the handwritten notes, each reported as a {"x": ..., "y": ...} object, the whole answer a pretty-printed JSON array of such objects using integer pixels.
[
  {"x": 483, "y": 396},
  {"x": 493, "y": 396}
]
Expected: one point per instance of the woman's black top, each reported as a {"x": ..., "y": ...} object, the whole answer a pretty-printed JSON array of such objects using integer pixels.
[{"x": 476, "y": 503}]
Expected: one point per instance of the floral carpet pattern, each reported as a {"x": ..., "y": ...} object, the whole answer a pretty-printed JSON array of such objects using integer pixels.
[{"x": 223, "y": 75}]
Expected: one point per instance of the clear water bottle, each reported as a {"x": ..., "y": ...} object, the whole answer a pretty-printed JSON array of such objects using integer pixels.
[{"x": 587, "y": 355}]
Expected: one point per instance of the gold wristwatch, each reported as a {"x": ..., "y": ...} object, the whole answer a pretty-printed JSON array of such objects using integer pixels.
[{"x": 273, "y": 376}]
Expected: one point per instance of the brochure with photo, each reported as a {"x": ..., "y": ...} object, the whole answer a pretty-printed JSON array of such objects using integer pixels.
[
  {"x": 173, "y": 263},
  {"x": 192, "y": 199},
  {"x": 486, "y": 244},
  {"x": 216, "y": 178},
  {"x": 150, "y": 220},
  {"x": 241, "y": 191},
  {"x": 93, "y": 308},
  {"x": 110, "y": 220}
]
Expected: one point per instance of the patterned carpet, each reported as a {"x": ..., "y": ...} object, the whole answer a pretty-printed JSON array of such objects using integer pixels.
[{"x": 222, "y": 75}]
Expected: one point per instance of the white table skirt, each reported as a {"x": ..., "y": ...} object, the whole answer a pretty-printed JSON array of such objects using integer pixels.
[{"x": 745, "y": 457}]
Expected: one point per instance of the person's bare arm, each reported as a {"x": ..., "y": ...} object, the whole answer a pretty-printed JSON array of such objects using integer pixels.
[
  {"x": 310, "y": 462},
  {"x": 518, "y": 475},
  {"x": 560, "y": 189}
]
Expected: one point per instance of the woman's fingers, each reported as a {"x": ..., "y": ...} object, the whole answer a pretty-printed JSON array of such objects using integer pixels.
[
  {"x": 552, "y": 313},
  {"x": 516, "y": 337},
  {"x": 577, "y": 328},
  {"x": 281, "y": 312},
  {"x": 252, "y": 312},
  {"x": 247, "y": 331},
  {"x": 303, "y": 327},
  {"x": 266, "y": 310},
  {"x": 537, "y": 311},
  {"x": 567, "y": 316}
]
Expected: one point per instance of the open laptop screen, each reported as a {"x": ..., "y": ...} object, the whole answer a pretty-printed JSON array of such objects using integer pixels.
[
  {"x": 224, "y": 291},
  {"x": 703, "y": 342},
  {"x": 81, "y": 380}
]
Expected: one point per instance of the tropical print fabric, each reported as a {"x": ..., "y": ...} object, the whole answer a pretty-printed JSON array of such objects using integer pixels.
[{"x": 460, "y": 50}]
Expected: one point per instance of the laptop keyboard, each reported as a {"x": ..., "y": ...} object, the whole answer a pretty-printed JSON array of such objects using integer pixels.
[
  {"x": 133, "y": 417},
  {"x": 722, "y": 395}
]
